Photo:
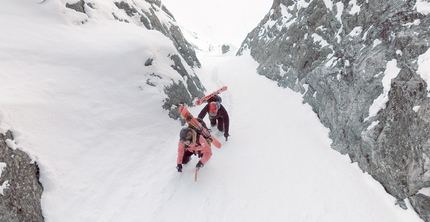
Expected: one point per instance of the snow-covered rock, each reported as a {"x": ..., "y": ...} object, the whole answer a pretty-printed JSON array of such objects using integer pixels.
[
  {"x": 20, "y": 189},
  {"x": 150, "y": 15}
]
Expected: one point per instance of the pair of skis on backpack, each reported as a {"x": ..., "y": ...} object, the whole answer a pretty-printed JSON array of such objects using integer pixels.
[
  {"x": 194, "y": 123},
  {"x": 207, "y": 97}
]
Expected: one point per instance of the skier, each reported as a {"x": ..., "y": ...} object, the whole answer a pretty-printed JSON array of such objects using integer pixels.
[
  {"x": 190, "y": 142},
  {"x": 217, "y": 113}
]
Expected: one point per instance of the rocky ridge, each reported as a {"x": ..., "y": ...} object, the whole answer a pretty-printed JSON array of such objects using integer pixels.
[
  {"x": 20, "y": 189},
  {"x": 338, "y": 57}
]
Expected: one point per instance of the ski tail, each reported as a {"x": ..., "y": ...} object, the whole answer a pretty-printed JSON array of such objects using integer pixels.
[{"x": 195, "y": 174}]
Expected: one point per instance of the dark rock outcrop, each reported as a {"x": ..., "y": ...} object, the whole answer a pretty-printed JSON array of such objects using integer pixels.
[
  {"x": 421, "y": 204},
  {"x": 337, "y": 56},
  {"x": 19, "y": 181},
  {"x": 225, "y": 49}
]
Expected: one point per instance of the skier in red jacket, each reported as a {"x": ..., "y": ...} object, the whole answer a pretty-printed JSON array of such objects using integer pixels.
[
  {"x": 192, "y": 143},
  {"x": 217, "y": 113}
]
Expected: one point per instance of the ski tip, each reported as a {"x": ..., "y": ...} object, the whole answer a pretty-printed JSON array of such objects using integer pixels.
[{"x": 182, "y": 111}]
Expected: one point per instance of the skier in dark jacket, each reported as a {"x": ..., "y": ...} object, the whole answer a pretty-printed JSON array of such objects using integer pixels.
[{"x": 217, "y": 113}]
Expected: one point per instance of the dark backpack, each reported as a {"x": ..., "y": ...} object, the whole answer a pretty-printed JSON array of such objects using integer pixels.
[
  {"x": 215, "y": 98},
  {"x": 203, "y": 124},
  {"x": 200, "y": 133}
]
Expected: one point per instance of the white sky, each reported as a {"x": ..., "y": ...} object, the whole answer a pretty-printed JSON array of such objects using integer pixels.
[
  {"x": 218, "y": 22},
  {"x": 76, "y": 99}
]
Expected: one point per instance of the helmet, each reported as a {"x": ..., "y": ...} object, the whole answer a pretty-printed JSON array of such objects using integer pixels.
[
  {"x": 213, "y": 108},
  {"x": 185, "y": 134}
]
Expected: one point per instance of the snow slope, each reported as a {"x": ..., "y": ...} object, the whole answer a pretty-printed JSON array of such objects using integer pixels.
[{"x": 76, "y": 99}]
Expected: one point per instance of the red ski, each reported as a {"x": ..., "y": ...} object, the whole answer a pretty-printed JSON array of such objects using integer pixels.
[
  {"x": 194, "y": 123},
  {"x": 207, "y": 97}
]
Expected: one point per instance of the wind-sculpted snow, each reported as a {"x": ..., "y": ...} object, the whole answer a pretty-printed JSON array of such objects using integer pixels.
[
  {"x": 150, "y": 15},
  {"x": 338, "y": 55}
]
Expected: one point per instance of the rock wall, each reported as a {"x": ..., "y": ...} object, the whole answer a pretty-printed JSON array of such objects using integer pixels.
[
  {"x": 337, "y": 56},
  {"x": 20, "y": 189}
]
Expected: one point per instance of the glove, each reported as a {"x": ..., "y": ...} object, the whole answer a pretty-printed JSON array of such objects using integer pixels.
[
  {"x": 179, "y": 167},
  {"x": 200, "y": 154},
  {"x": 199, "y": 165}
]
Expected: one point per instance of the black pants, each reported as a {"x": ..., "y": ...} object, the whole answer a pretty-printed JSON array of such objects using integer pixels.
[
  {"x": 220, "y": 123},
  {"x": 186, "y": 157}
]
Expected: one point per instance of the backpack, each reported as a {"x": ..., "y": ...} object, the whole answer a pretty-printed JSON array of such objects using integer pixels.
[
  {"x": 215, "y": 98},
  {"x": 203, "y": 124},
  {"x": 208, "y": 139}
]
